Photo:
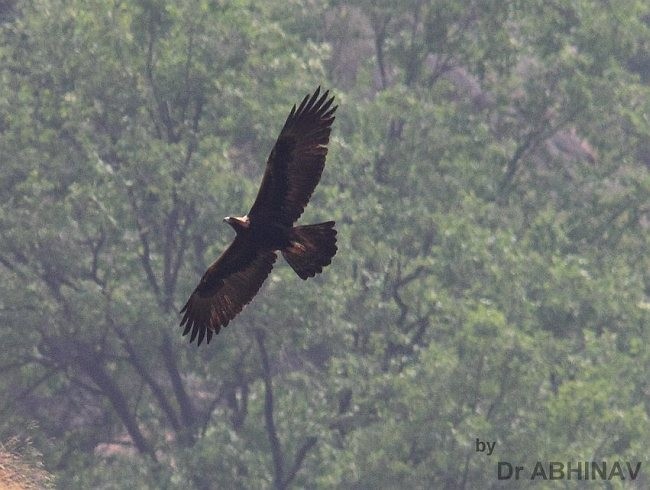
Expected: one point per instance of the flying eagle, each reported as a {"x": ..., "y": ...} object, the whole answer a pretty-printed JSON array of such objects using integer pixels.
[{"x": 292, "y": 172}]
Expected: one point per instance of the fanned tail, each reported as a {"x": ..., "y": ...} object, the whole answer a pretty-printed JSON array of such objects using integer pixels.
[{"x": 312, "y": 248}]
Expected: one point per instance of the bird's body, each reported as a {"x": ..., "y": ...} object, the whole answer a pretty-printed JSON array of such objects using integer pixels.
[
  {"x": 271, "y": 235},
  {"x": 292, "y": 172}
]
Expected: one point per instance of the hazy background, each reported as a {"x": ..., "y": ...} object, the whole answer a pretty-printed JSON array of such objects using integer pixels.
[{"x": 488, "y": 171}]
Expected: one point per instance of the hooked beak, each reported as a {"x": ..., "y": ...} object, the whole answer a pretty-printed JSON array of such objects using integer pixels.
[{"x": 237, "y": 223}]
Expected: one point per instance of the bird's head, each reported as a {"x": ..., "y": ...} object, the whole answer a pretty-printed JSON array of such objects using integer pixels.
[{"x": 238, "y": 222}]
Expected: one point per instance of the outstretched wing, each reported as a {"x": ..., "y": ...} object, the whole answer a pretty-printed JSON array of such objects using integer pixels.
[
  {"x": 296, "y": 161},
  {"x": 225, "y": 288}
]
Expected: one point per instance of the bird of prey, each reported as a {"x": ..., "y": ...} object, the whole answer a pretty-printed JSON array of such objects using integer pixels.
[{"x": 292, "y": 172}]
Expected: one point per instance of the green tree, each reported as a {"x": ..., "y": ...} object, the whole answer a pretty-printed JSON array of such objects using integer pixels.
[{"x": 489, "y": 178}]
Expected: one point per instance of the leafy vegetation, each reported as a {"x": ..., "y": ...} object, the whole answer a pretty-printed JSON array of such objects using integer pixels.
[{"x": 488, "y": 171}]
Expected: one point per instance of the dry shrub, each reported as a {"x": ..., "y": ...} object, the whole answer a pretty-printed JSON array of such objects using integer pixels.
[{"x": 21, "y": 467}]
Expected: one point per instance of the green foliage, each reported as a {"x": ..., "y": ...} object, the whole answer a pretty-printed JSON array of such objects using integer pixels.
[{"x": 488, "y": 171}]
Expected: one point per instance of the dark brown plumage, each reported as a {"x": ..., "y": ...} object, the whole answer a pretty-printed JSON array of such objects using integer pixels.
[{"x": 292, "y": 172}]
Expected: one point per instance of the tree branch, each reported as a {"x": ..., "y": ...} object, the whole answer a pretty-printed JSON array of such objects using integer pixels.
[
  {"x": 168, "y": 253},
  {"x": 513, "y": 163},
  {"x": 94, "y": 368},
  {"x": 144, "y": 373},
  {"x": 145, "y": 256},
  {"x": 188, "y": 412},
  {"x": 274, "y": 441},
  {"x": 379, "y": 27},
  {"x": 300, "y": 456},
  {"x": 29, "y": 389},
  {"x": 535, "y": 136},
  {"x": 161, "y": 105}
]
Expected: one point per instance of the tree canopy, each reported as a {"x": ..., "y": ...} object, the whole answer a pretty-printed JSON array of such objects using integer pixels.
[{"x": 488, "y": 172}]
